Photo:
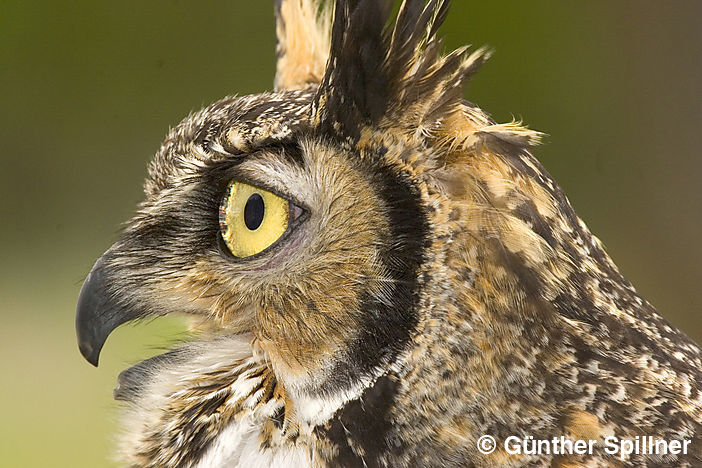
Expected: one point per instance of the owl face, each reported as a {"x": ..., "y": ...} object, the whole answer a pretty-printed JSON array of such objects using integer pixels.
[
  {"x": 300, "y": 241},
  {"x": 304, "y": 217}
]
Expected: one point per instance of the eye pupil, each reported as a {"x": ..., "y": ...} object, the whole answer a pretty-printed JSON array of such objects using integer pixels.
[{"x": 254, "y": 211}]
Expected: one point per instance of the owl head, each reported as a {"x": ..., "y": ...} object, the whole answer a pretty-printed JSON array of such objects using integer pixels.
[
  {"x": 377, "y": 273},
  {"x": 315, "y": 219}
]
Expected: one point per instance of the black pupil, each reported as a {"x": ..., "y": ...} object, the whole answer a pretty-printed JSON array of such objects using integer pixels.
[{"x": 254, "y": 211}]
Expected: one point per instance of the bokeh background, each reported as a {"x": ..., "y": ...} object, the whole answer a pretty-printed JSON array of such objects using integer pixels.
[{"x": 88, "y": 90}]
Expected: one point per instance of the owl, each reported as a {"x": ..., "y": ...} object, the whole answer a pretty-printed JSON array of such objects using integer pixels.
[{"x": 378, "y": 275}]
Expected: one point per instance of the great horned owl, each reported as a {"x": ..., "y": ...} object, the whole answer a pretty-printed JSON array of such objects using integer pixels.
[{"x": 380, "y": 274}]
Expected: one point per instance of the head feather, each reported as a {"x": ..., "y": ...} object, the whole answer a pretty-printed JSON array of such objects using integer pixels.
[
  {"x": 385, "y": 77},
  {"x": 303, "y": 30}
]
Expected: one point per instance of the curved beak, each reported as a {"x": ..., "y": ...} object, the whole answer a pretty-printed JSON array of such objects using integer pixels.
[{"x": 98, "y": 313}]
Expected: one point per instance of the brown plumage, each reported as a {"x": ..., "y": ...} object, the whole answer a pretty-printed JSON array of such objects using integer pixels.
[{"x": 429, "y": 283}]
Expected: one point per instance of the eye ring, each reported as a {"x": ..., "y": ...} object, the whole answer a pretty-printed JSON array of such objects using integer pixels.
[{"x": 254, "y": 220}]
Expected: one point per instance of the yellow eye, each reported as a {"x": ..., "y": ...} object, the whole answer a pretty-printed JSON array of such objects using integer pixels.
[{"x": 252, "y": 219}]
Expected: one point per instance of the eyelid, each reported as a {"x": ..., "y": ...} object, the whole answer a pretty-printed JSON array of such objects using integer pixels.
[{"x": 237, "y": 176}]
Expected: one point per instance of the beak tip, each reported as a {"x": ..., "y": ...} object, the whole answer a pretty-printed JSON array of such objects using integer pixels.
[
  {"x": 91, "y": 354},
  {"x": 91, "y": 327}
]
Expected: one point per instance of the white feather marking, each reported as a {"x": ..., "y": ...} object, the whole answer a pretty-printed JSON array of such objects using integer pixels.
[{"x": 239, "y": 446}]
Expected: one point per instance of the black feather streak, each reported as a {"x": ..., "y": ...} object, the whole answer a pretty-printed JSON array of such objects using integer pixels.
[{"x": 360, "y": 430}]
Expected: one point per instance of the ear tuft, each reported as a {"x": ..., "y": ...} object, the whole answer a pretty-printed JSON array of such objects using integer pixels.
[
  {"x": 384, "y": 77},
  {"x": 303, "y": 32},
  {"x": 355, "y": 88},
  {"x": 393, "y": 79}
]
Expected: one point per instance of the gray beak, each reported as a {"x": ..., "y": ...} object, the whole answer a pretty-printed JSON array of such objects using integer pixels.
[{"x": 98, "y": 313}]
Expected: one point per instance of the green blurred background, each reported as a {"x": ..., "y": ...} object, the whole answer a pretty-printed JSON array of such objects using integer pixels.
[{"x": 88, "y": 90}]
